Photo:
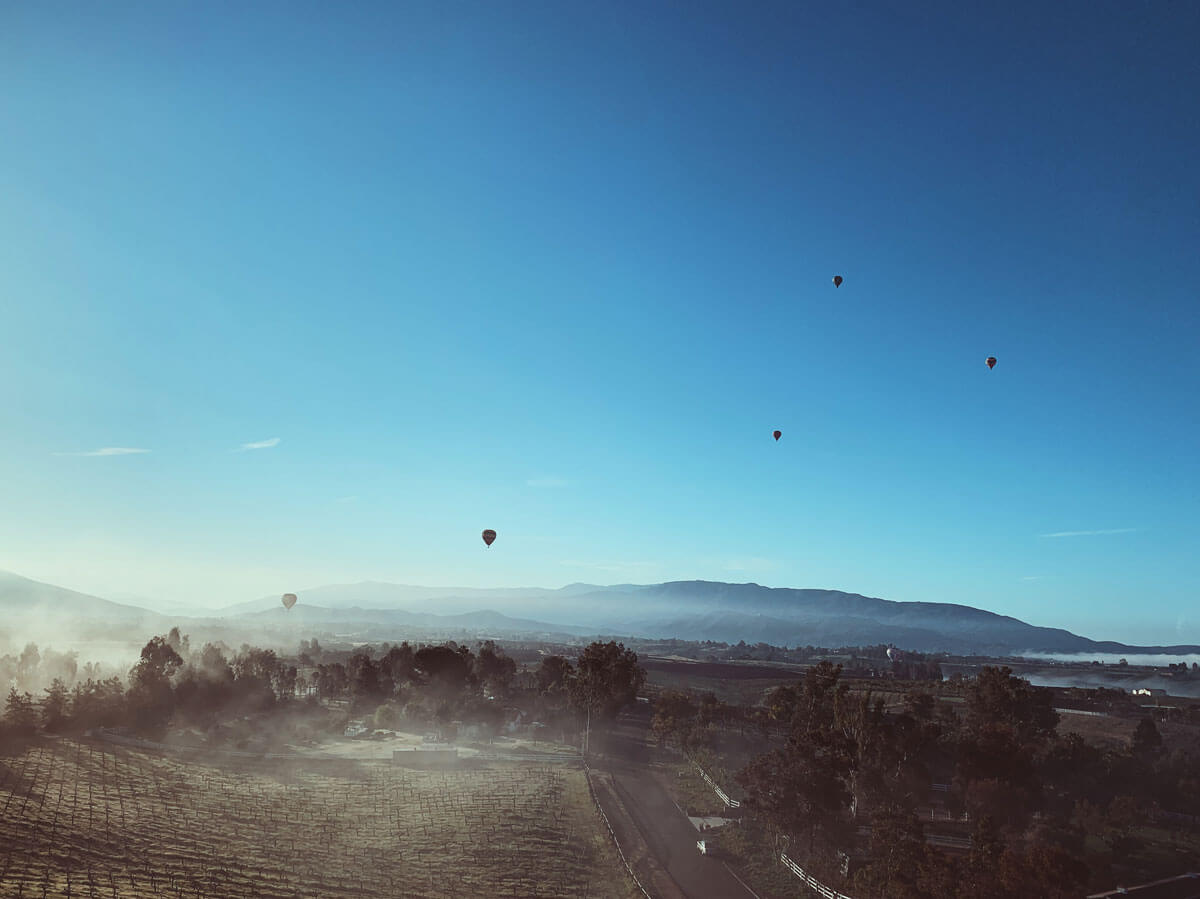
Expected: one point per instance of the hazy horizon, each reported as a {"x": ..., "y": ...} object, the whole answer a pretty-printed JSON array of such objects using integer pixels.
[{"x": 165, "y": 606}]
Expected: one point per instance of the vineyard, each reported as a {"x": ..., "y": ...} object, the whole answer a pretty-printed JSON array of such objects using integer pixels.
[{"x": 95, "y": 820}]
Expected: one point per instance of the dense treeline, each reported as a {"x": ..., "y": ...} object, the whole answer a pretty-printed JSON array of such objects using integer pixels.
[
  {"x": 846, "y": 784},
  {"x": 175, "y": 684}
]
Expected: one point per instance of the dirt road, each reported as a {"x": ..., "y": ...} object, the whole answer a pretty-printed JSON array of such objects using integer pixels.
[{"x": 658, "y": 823}]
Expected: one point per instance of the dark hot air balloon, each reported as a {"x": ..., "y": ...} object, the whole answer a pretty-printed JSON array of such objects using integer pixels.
[
  {"x": 777, "y": 434},
  {"x": 488, "y": 536},
  {"x": 837, "y": 280},
  {"x": 991, "y": 361},
  {"x": 288, "y": 600}
]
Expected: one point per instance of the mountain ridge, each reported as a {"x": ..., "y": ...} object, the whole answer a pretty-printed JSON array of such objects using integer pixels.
[{"x": 690, "y": 610}]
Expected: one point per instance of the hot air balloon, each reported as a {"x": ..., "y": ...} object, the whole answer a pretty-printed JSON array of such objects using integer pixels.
[
  {"x": 837, "y": 280},
  {"x": 488, "y": 536},
  {"x": 777, "y": 434},
  {"x": 288, "y": 600},
  {"x": 991, "y": 361}
]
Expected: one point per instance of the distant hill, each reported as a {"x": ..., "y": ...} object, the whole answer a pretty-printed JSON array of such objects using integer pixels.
[
  {"x": 308, "y": 615},
  {"x": 22, "y": 596},
  {"x": 687, "y": 610},
  {"x": 378, "y": 595},
  {"x": 707, "y": 610},
  {"x": 719, "y": 611},
  {"x": 32, "y": 610}
]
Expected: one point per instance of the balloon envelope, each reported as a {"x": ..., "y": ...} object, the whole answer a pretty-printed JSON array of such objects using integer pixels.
[
  {"x": 488, "y": 536},
  {"x": 777, "y": 434},
  {"x": 991, "y": 361},
  {"x": 837, "y": 280},
  {"x": 288, "y": 600}
]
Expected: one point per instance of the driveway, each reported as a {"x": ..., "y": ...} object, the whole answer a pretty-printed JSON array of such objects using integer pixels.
[{"x": 661, "y": 825}]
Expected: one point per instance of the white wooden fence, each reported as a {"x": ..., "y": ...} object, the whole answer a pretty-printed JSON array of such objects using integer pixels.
[
  {"x": 811, "y": 882},
  {"x": 587, "y": 773},
  {"x": 724, "y": 797}
]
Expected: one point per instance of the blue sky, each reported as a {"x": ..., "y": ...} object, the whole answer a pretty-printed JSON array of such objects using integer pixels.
[{"x": 559, "y": 270}]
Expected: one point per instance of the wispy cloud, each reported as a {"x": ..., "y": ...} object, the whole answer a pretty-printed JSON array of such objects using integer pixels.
[
  {"x": 261, "y": 444},
  {"x": 547, "y": 481},
  {"x": 1090, "y": 533},
  {"x": 109, "y": 451},
  {"x": 346, "y": 499}
]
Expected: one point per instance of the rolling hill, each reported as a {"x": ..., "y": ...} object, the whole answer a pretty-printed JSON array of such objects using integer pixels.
[{"x": 707, "y": 610}]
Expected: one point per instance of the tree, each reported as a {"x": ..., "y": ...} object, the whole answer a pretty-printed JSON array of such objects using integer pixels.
[
  {"x": 814, "y": 709},
  {"x": 396, "y": 666},
  {"x": 284, "y": 682},
  {"x": 54, "y": 706},
  {"x": 798, "y": 791},
  {"x": 554, "y": 676},
  {"x": 983, "y": 863},
  {"x": 446, "y": 669},
  {"x": 255, "y": 676},
  {"x": 365, "y": 687},
  {"x": 27, "y": 666},
  {"x": 919, "y": 704},
  {"x": 781, "y": 704},
  {"x": 63, "y": 665},
  {"x": 898, "y": 857},
  {"x": 1147, "y": 741},
  {"x": 998, "y": 699},
  {"x": 674, "y": 713},
  {"x": 150, "y": 696},
  {"x": 19, "y": 713},
  {"x": 496, "y": 670},
  {"x": 331, "y": 680},
  {"x": 310, "y": 652},
  {"x": 157, "y": 663},
  {"x": 1008, "y": 724},
  {"x": 865, "y": 740},
  {"x": 607, "y": 678},
  {"x": 710, "y": 710},
  {"x": 1123, "y": 816},
  {"x": 177, "y": 642},
  {"x": 205, "y": 686}
]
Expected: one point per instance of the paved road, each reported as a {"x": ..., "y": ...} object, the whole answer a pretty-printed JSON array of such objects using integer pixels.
[{"x": 665, "y": 829}]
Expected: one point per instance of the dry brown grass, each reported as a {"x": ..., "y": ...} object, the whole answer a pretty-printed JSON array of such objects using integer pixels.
[{"x": 94, "y": 820}]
